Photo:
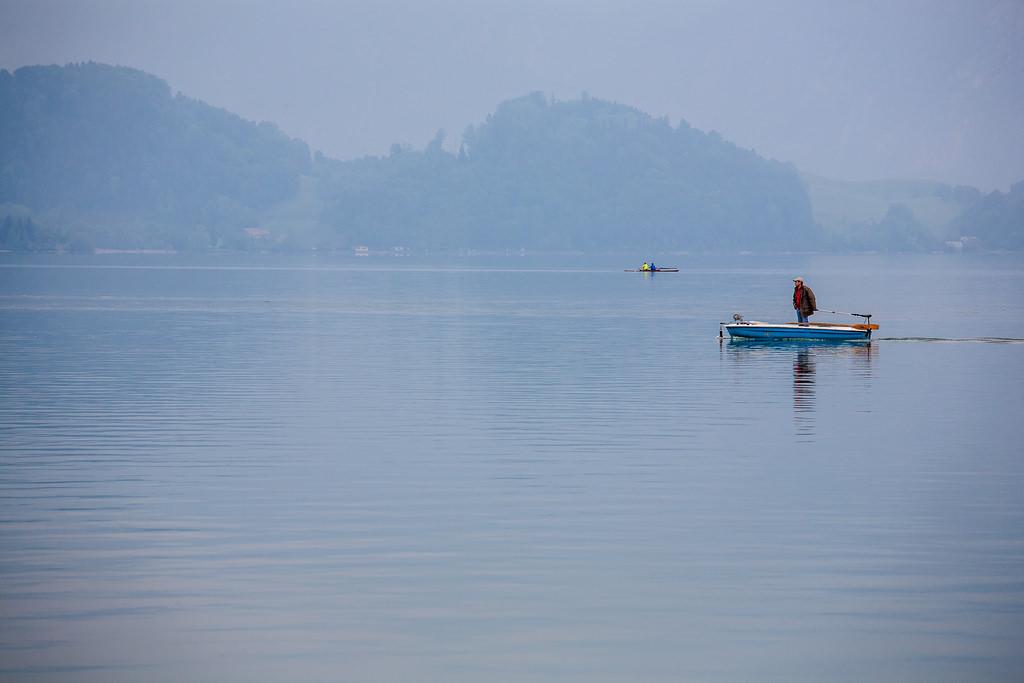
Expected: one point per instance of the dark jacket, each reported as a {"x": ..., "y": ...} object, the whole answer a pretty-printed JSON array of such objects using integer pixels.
[{"x": 807, "y": 303}]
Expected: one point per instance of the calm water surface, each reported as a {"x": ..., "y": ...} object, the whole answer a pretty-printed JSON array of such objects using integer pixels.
[{"x": 507, "y": 469}]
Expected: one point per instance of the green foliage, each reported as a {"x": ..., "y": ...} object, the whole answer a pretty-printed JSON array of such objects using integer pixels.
[
  {"x": 584, "y": 174},
  {"x": 90, "y": 143}
]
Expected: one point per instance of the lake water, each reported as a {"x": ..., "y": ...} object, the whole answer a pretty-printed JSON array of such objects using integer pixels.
[{"x": 507, "y": 469}]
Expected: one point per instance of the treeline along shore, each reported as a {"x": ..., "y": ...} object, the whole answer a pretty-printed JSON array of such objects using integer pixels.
[{"x": 101, "y": 157}]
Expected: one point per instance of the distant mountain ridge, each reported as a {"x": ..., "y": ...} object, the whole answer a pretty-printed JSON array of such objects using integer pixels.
[{"x": 100, "y": 156}]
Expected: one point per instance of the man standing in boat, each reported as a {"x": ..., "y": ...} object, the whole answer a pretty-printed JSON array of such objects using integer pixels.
[{"x": 803, "y": 300}]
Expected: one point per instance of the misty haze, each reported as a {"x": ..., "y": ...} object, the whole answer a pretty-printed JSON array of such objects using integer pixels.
[{"x": 511, "y": 341}]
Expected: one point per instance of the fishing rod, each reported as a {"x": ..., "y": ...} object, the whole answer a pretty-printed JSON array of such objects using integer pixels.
[{"x": 859, "y": 315}]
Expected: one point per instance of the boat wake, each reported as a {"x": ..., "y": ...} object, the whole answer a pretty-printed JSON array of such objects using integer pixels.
[{"x": 955, "y": 340}]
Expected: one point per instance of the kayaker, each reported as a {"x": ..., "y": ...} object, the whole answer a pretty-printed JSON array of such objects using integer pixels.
[
  {"x": 653, "y": 267},
  {"x": 803, "y": 300},
  {"x": 645, "y": 267}
]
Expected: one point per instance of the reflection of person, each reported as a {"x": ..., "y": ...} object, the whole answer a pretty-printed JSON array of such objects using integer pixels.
[{"x": 803, "y": 300}]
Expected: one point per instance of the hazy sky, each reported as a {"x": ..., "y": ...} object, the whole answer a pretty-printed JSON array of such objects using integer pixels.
[{"x": 854, "y": 89}]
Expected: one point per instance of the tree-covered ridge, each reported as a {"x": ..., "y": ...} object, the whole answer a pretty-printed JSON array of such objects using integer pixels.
[
  {"x": 22, "y": 234},
  {"x": 888, "y": 215},
  {"x": 101, "y": 156},
  {"x": 104, "y": 149},
  {"x": 583, "y": 174},
  {"x": 996, "y": 222}
]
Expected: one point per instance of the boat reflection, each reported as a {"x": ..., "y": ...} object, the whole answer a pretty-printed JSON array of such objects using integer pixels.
[
  {"x": 848, "y": 368},
  {"x": 803, "y": 393}
]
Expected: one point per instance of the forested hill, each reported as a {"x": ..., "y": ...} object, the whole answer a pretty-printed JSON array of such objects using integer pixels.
[
  {"x": 108, "y": 156},
  {"x": 98, "y": 156},
  {"x": 996, "y": 222},
  {"x": 583, "y": 174}
]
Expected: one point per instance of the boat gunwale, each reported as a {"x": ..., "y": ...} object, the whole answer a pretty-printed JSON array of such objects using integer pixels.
[{"x": 804, "y": 326}]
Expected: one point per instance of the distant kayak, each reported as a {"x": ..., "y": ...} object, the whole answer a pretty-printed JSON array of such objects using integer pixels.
[{"x": 656, "y": 270}]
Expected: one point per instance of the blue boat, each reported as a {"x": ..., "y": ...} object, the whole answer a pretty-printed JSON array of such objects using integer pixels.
[{"x": 751, "y": 329}]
